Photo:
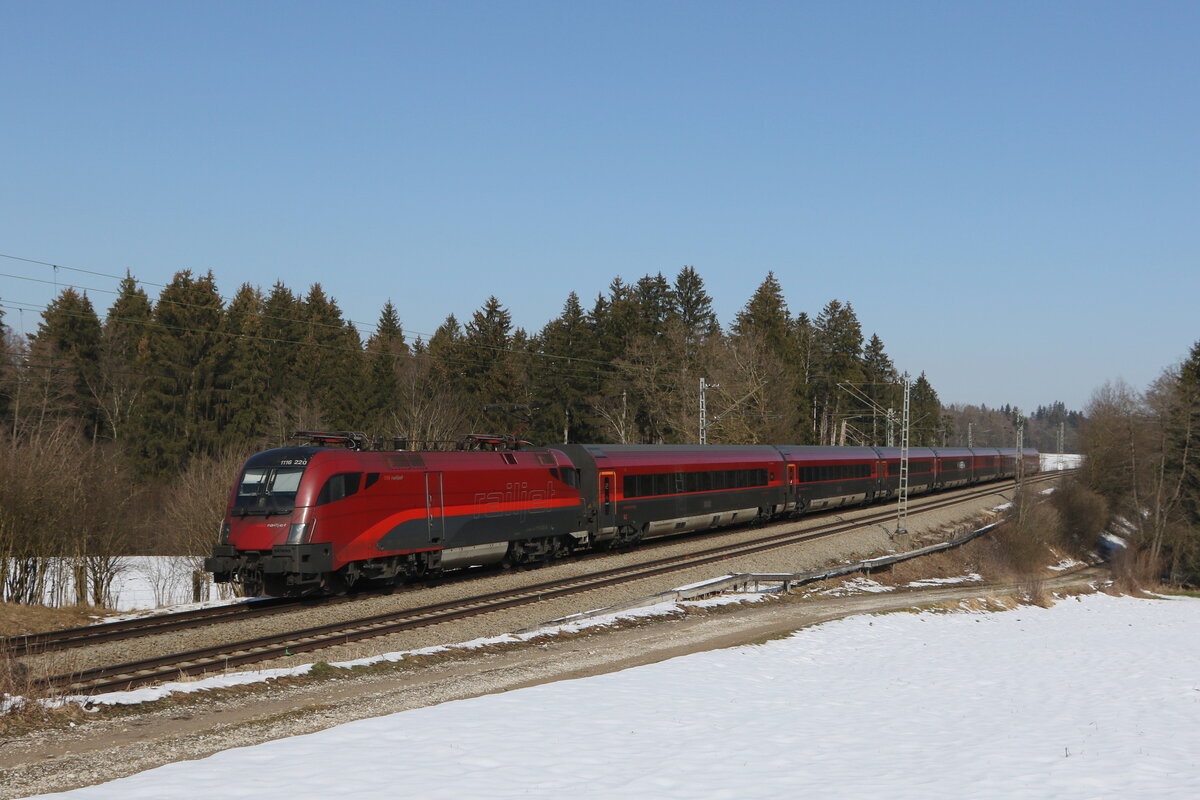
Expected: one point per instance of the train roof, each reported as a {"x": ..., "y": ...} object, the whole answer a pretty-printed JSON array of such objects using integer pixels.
[
  {"x": 695, "y": 454},
  {"x": 810, "y": 452}
]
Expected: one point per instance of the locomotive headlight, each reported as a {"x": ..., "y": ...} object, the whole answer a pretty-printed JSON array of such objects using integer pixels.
[
  {"x": 300, "y": 532},
  {"x": 224, "y": 537}
]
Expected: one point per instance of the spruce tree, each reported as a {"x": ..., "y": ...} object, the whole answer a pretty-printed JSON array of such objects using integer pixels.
[
  {"x": 1183, "y": 461},
  {"x": 329, "y": 367},
  {"x": 386, "y": 352},
  {"x": 124, "y": 359},
  {"x": 487, "y": 344},
  {"x": 248, "y": 401},
  {"x": 283, "y": 327},
  {"x": 766, "y": 316},
  {"x": 178, "y": 407},
  {"x": 693, "y": 307},
  {"x": 125, "y": 326},
  {"x": 880, "y": 385},
  {"x": 925, "y": 414},
  {"x": 616, "y": 320},
  {"x": 66, "y": 350},
  {"x": 6, "y": 375},
  {"x": 655, "y": 306},
  {"x": 838, "y": 345},
  {"x": 566, "y": 376},
  {"x": 804, "y": 422},
  {"x": 522, "y": 365},
  {"x": 448, "y": 358}
]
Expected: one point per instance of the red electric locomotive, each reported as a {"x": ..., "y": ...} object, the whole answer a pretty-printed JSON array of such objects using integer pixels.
[{"x": 332, "y": 514}]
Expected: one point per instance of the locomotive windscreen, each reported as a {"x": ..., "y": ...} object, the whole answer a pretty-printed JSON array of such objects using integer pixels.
[{"x": 267, "y": 490}]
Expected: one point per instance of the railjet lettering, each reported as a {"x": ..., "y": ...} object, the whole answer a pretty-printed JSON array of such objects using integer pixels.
[{"x": 517, "y": 492}]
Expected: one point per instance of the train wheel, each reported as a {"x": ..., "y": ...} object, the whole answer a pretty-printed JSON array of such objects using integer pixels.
[
  {"x": 338, "y": 583},
  {"x": 630, "y": 536},
  {"x": 274, "y": 585},
  {"x": 250, "y": 586}
]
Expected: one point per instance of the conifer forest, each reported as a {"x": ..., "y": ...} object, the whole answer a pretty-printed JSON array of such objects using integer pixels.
[{"x": 123, "y": 423}]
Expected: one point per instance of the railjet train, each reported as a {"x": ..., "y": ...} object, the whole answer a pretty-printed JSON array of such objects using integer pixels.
[{"x": 335, "y": 514}]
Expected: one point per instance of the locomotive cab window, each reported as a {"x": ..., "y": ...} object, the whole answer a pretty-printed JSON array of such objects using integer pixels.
[
  {"x": 268, "y": 490},
  {"x": 339, "y": 487}
]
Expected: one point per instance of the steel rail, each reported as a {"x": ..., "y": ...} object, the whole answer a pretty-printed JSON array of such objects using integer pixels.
[
  {"x": 266, "y": 648},
  {"x": 51, "y": 641},
  {"x": 47, "y": 641}
]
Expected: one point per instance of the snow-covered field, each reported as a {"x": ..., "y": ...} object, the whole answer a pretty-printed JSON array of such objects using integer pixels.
[
  {"x": 1060, "y": 461},
  {"x": 142, "y": 582},
  {"x": 1094, "y": 698}
]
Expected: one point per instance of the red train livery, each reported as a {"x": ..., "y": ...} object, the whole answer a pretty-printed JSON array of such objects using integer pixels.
[{"x": 321, "y": 518}]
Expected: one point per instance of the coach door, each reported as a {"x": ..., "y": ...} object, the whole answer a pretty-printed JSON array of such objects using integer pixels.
[
  {"x": 434, "y": 518},
  {"x": 608, "y": 500},
  {"x": 793, "y": 478}
]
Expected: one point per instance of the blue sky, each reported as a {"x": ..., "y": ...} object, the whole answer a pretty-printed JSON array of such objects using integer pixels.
[{"x": 1008, "y": 193}]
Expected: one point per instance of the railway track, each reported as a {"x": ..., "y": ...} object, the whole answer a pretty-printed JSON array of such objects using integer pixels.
[
  {"x": 266, "y": 648},
  {"x": 33, "y": 643},
  {"x": 51, "y": 641}
]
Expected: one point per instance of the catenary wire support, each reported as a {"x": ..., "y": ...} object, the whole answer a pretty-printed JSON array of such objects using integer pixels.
[
  {"x": 876, "y": 410},
  {"x": 902, "y": 493},
  {"x": 1020, "y": 449},
  {"x": 718, "y": 417},
  {"x": 704, "y": 387},
  {"x": 1062, "y": 436}
]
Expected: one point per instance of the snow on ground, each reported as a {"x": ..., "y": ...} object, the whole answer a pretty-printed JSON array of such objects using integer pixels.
[
  {"x": 1060, "y": 461},
  {"x": 1112, "y": 540},
  {"x": 147, "y": 582},
  {"x": 973, "y": 577},
  {"x": 857, "y": 586},
  {"x": 141, "y": 582},
  {"x": 224, "y": 681},
  {"x": 1095, "y": 697}
]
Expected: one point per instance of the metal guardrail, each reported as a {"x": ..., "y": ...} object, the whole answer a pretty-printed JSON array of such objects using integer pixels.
[{"x": 744, "y": 580}]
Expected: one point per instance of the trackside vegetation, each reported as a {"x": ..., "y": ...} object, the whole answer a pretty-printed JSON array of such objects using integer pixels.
[{"x": 120, "y": 431}]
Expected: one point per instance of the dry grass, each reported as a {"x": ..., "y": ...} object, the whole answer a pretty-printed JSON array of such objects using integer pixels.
[
  {"x": 1084, "y": 515},
  {"x": 1019, "y": 551},
  {"x": 1132, "y": 571},
  {"x": 20, "y": 696},
  {"x": 17, "y": 619}
]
